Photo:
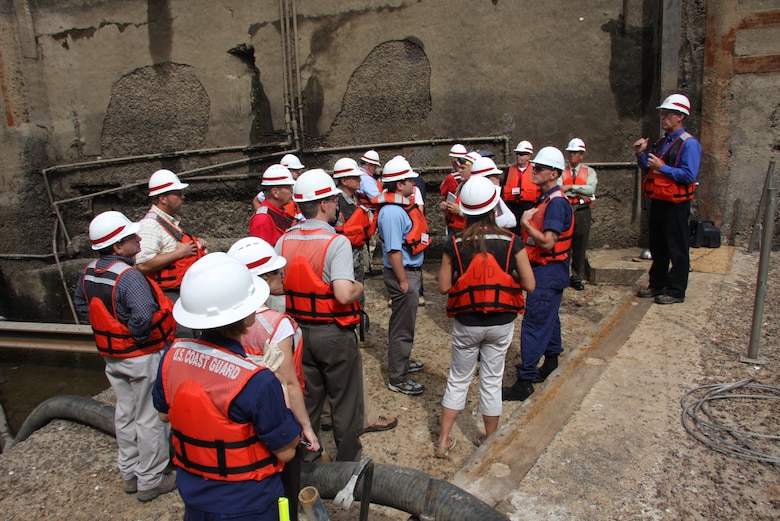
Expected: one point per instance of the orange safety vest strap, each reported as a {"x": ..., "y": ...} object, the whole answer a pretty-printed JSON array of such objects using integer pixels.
[
  {"x": 169, "y": 277},
  {"x": 221, "y": 447},
  {"x": 657, "y": 185},
  {"x": 560, "y": 250},
  {"x": 580, "y": 179}
]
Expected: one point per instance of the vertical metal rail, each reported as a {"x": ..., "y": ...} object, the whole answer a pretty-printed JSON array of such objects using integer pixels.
[{"x": 763, "y": 271}]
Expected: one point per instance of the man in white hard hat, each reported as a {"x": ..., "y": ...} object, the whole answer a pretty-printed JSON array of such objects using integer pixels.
[
  {"x": 167, "y": 249},
  {"x": 368, "y": 164},
  {"x": 518, "y": 189},
  {"x": 293, "y": 164},
  {"x": 232, "y": 430},
  {"x": 271, "y": 219},
  {"x": 671, "y": 167},
  {"x": 132, "y": 322},
  {"x": 323, "y": 297},
  {"x": 404, "y": 232},
  {"x": 547, "y": 232},
  {"x": 454, "y": 178},
  {"x": 578, "y": 183},
  {"x": 454, "y": 220}
]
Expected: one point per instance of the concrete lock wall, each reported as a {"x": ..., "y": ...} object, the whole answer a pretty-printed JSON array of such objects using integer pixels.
[{"x": 89, "y": 82}]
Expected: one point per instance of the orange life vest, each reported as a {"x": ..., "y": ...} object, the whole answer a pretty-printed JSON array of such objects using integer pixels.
[
  {"x": 292, "y": 211},
  {"x": 200, "y": 381},
  {"x": 308, "y": 297},
  {"x": 560, "y": 250},
  {"x": 455, "y": 220},
  {"x": 358, "y": 225},
  {"x": 112, "y": 337},
  {"x": 660, "y": 186},
  {"x": 268, "y": 321},
  {"x": 417, "y": 240},
  {"x": 518, "y": 187},
  {"x": 169, "y": 277},
  {"x": 580, "y": 179},
  {"x": 485, "y": 286}
]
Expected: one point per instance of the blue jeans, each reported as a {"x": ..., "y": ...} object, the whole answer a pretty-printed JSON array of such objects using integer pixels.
[{"x": 541, "y": 332}]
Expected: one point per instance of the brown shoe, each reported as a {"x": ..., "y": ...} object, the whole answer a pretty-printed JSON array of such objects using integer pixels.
[
  {"x": 649, "y": 292},
  {"x": 668, "y": 299},
  {"x": 168, "y": 484},
  {"x": 382, "y": 424}
]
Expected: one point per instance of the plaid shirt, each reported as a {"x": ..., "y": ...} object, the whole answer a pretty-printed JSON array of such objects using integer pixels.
[{"x": 154, "y": 239}]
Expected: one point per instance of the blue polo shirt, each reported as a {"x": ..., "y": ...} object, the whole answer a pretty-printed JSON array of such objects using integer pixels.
[{"x": 393, "y": 224}]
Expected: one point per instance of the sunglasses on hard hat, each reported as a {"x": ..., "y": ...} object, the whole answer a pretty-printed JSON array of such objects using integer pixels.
[{"x": 464, "y": 162}]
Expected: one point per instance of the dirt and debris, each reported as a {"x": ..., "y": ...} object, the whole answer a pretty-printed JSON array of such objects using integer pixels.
[{"x": 633, "y": 462}]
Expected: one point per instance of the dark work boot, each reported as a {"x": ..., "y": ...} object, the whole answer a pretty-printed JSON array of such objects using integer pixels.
[
  {"x": 550, "y": 364},
  {"x": 521, "y": 390}
]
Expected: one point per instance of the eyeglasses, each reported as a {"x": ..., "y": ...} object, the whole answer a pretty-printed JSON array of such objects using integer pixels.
[
  {"x": 464, "y": 162},
  {"x": 669, "y": 113},
  {"x": 177, "y": 193},
  {"x": 541, "y": 168}
]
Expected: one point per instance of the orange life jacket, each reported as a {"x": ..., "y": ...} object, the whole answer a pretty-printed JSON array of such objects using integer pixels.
[
  {"x": 200, "y": 381},
  {"x": 417, "y": 240},
  {"x": 308, "y": 297},
  {"x": 268, "y": 321},
  {"x": 518, "y": 187},
  {"x": 169, "y": 277},
  {"x": 292, "y": 211},
  {"x": 485, "y": 286},
  {"x": 358, "y": 225},
  {"x": 560, "y": 250},
  {"x": 660, "y": 186},
  {"x": 455, "y": 220},
  {"x": 580, "y": 179},
  {"x": 280, "y": 218},
  {"x": 112, "y": 337}
]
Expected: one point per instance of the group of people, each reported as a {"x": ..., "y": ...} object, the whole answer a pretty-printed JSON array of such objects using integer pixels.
[{"x": 241, "y": 358}]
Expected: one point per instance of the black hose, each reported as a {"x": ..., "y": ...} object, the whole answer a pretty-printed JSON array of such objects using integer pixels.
[
  {"x": 68, "y": 407},
  {"x": 393, "y": 486},
  {"x": 401, "y": 488}
]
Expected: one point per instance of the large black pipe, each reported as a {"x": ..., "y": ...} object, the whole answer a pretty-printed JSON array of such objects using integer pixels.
[
  {"x": 68, "y": 407},
  {"x": 401, "y": 488},
  {"x": 393, "y": 486}
]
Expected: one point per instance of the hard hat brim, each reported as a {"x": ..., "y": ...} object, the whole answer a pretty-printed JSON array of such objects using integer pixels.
[
  {"x": 131, "y": 229},
  {"x": 171, "y": 188}
]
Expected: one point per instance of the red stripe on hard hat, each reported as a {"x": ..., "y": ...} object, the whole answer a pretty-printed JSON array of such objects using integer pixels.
[
  {"x": 459, "y": 154},
  {"x": 166, "y": 185},
  {"x": 259, "y": 262},
  {"x": 342, "y": 171},
  {"x": 478, "y": 172},
  {"x": 478, "y": 206},
  {"x": 402, "y": 172},
  {"x": 683, "y": 105},
  {"x": 109, "y": 236},
  {"x": 278, "y": 178}
]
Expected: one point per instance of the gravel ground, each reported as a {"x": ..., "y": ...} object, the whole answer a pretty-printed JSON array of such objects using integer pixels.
[{"x": 633, "y": 462}]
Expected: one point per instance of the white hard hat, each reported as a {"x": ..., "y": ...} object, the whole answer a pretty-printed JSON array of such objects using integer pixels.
[
  {"x": 277, "y": 175},
  {"x": 111, "y": 227},
  {"x": 292, "y": 162},
  {"x": 524, "y": 147},
  {"x": 457, "y": 151},
  {"x": 483, "y": 167},
  {"x": 472, "y": 156},
  {"x": 218, "y": 290},
  {"x": 677, "y": 102},
  {"x": 314, "y": 184},
  {"x": 346, "y": 167},
  {"x": 397, "y": 169},
  {"x": 164, "y": 181},
  {"x": 259, "y": 256},
  {"x": 371, "y": 157},
  {"x": 576, "y": 145},
  {"x": 550, "y": 156},
  {"x": 478, "y": 196}
]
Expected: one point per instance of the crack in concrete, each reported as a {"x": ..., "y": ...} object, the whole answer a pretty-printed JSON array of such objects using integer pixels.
[{"x": 79, "y": 33}]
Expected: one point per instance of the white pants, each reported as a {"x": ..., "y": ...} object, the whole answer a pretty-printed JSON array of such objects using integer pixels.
[
  {"x": 490, "y": 344},
  {"x": 142, "y": 437}
]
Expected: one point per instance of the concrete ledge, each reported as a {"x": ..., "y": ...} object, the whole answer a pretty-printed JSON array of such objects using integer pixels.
[{"x": 621, "y": 267}]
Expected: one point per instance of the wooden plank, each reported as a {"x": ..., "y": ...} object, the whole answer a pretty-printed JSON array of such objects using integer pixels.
[{"x": 498, "y": 467}]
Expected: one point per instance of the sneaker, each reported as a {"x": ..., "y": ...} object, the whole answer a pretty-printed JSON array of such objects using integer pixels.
[
  {"x": 520, "y": 391},
  {"x": 168, "y": 484},
  {"x": 646, "y": 255},
  {"x": 407, "y": 387},
  {"x": 550, "y": 364},
  {"x": 131, "y": 485},
  {"x": 668, "y": 299},
  {"x": 415, "y": 365},
  {"x": 649, "y": 292}
]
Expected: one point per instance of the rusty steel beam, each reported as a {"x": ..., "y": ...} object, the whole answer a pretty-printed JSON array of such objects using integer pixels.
[{"x": 753, "y": 64}]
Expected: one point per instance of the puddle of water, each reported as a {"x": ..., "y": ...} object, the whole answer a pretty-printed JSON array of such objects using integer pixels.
[{"x": 28, "y": 378}]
